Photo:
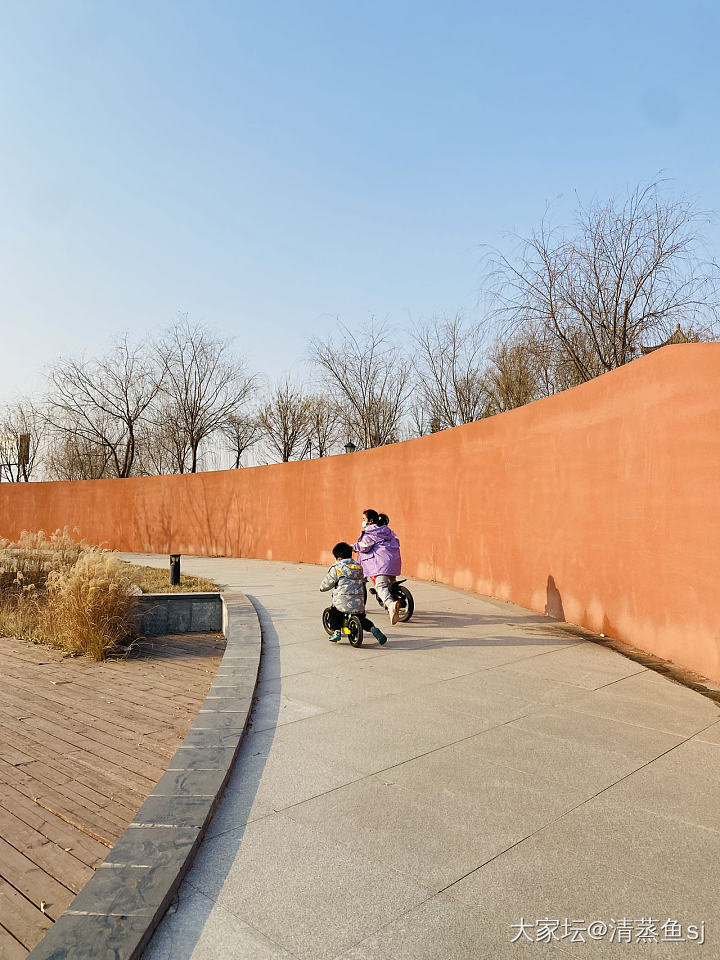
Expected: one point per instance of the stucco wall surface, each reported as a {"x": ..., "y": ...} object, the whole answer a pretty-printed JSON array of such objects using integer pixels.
[{"x": 600, "y": 505}]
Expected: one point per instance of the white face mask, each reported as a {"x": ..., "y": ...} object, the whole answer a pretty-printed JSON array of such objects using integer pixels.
[{"x": 364, "y": 524}]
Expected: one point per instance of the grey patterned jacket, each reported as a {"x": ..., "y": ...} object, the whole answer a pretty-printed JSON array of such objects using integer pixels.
[{"x": 345, "y": 578}]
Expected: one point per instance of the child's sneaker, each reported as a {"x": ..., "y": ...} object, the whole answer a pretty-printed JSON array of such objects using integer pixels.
[
  {"x": 379, "y": 636},
  {"x": 394, "y": 611},
  {"x": 334, "y": 637}
]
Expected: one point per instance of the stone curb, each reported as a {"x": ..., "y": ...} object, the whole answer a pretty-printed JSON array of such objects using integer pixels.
[
  {"x": 118, "y": 910},
  {"x": 162, "y": 613}
]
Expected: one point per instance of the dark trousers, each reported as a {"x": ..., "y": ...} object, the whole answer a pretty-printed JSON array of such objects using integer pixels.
[{"x": 336, "y": 620}]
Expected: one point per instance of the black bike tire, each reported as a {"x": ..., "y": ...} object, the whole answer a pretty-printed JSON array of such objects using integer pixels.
[
  {"x": 356, "y": 630},
  {"x": 407, "y": 611}
]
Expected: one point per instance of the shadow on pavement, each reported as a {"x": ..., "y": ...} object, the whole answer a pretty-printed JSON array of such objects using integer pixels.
[
  {"x": 176, "y": 939},
  {"x": 453, "y": 643},
  {"x": 458, "y": 621}
]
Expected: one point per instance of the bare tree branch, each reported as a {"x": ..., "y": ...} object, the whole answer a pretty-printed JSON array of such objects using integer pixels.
[
  {"x": 22, "y": 435},
  {"x": 369, "y": 377},
  {"x": 627, "y": 274},
  {"x": 102, "y": 404},
  {"x": 449, "y": 367},
  {"x": 241, "y": 432},
  {"x": 285, "y": 420},
  {"x": 204, "y": 385}
]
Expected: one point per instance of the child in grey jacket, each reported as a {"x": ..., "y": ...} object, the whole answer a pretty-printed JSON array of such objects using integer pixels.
[{"x": 345, "y": 579}]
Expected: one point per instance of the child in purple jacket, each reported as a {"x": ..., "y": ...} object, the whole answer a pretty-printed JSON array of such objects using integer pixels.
[{"x": 378, "y": 551}]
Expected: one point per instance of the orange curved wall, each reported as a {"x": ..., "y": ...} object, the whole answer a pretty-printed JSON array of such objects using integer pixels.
[{"x": 600, "y": 504}]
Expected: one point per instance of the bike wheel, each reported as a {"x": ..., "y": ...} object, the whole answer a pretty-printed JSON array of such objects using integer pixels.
[
  {"x": 326, "y": 622},
  {"x": 356, "y": 630},
  {"x": 407, "y": 604}
]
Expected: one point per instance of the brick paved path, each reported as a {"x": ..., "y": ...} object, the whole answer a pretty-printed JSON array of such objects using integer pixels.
[{"x": 82, "y": 744}]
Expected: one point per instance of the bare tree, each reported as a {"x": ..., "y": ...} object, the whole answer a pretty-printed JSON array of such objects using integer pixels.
[
  {"x": 204, "y": 385},
  {"x": 74, "y": 457},
  {"x": 22, "y": 433},
  {"x": 97, "y": 406},
  {"x": 163, "y": 445},
  {"x": 449, "y": 366},
  {"x": 241, "y": 432},
  {"x": 326, "y": 426},
  {"x": 285, "y": 420},
  {"x": 628, "y": 272},
  {"x": 369, "y": 378}
]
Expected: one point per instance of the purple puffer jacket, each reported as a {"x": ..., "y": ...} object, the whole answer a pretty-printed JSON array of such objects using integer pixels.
[{"x": 378, "y": 551}]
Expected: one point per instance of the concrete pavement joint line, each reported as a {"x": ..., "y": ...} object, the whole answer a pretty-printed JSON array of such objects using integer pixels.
[
  {"x": 631, "y": 723},
  {"x": 577, "y": 807},
  {"x": 430, "y": 683},
  {"x": 620, "y": 679},
  {"x": 377, "y": 773},
  {"x": 191, "y": 931},
  {"x": 392, "y": 922},
  {"x": 116, "y": 916},
  {"x": 453, "y": 743},
  {"x": 244, "y": 920}
]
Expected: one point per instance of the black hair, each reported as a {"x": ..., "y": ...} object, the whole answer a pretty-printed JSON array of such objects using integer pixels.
[
  {"x": 342, "y": 551},
  {"x": 383, "y": 519},
  {"x": 372, "y": 516}
]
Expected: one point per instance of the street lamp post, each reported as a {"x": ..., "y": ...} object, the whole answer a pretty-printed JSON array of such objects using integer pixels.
[{"x": 350, "y": 447}]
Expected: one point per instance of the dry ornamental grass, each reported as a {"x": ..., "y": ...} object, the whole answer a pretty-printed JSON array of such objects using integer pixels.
[
  {"x": 89, "y": 606},
  {"x": 65, "y": 593},
  {"x": 157, "y": 580}
]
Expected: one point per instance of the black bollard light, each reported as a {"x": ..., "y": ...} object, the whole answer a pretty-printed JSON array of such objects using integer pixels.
[{"x": 174, "y": 569}]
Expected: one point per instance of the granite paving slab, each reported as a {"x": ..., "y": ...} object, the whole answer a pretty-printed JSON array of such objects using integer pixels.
[
  {"x": 681, "y": 719},
  {"x": 271, "y": 776},
  {"x": 520, "y": 770},
  {"x": 555, "y": 875},
  {"x": 570, "y": 749},
  {"x": 376, "y": 734},
  {"x": 710, "y": 734},
  {"x": 301, "y": 889},
  {"x": 222, "y": 935},
  {"x": 584, "y": 664},
  {"x": 436, "y": 832},
  {"x": 690, "y": 775},
  {"x": 442, "y": 928}
]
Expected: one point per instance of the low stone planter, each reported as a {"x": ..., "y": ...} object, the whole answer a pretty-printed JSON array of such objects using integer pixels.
[{"x": 161, "y": 613}]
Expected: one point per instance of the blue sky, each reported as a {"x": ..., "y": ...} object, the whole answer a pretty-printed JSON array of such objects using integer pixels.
[{"x": 267, "y": 167}]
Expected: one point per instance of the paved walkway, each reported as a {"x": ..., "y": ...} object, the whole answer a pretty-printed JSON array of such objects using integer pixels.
[
  {"x": 417, "y": 800},
  {"x": 82, "y": 744}
]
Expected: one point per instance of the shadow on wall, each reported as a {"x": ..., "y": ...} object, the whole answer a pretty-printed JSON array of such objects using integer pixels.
[
  {"x": 201, "y": 521},
  {"x": 554, "y": 604}
]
